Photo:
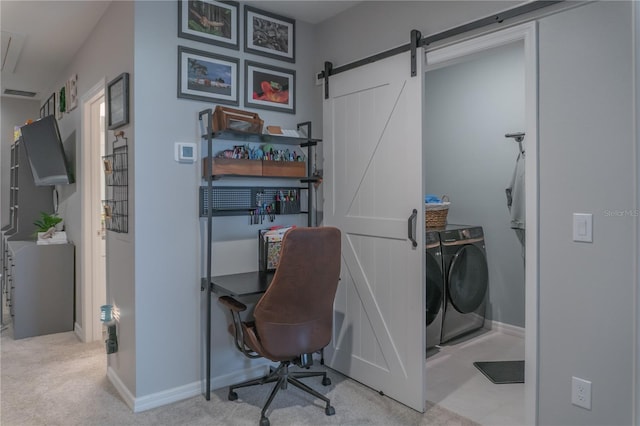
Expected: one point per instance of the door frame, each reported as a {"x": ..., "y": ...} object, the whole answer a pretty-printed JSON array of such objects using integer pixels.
[
  {"x": 453, "y": 53},
  {"x": 86, "y": 253}
]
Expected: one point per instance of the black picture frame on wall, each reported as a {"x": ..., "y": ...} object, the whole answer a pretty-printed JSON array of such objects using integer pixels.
[
  {"x": 210, "y": 21},
  {"x": 208, "y": 77},
  {"x": 270, "y": 35},
  {"x": 269, "y": 87},
  {"x": 118, "y": 101}
]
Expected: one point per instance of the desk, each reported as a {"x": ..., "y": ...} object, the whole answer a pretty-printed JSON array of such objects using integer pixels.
[
  {"x": 238, "y": 285},
  {"x": 234, "y": 285}
]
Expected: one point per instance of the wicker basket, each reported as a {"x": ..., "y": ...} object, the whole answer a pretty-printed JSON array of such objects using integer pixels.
[{"x": 435, "y": 214}]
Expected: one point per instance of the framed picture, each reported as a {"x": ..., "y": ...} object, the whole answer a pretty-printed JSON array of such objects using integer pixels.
[
  {"x": 43, "y": 110},
  {"x": 209, "y": 21},
  {"x": 208, "y": 77},
  {"x": 61, "y": 103},
  {"x": 267, "y": 34},
  {"x": 118, "y": 101},
  {"x": 72, "y": 93},
  {"x": 270, "y": 87}
]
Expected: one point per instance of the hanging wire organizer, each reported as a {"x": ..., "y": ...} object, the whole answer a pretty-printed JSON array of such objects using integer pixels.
[{"x": 115, "y": 208}]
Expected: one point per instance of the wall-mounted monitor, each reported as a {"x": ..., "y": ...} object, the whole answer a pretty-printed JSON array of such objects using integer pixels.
[{"x": 44, "y": 149}]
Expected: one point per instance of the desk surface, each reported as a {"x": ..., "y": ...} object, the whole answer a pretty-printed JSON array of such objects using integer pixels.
[{"x": 238, "y": 285}]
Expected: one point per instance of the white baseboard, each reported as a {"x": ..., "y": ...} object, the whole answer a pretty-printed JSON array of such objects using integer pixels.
[
  {"x": 512, "y": 330},
  {"x": 180, "y": 393},
  {"x": 121, "y": 388},
  {"x": 79, "y": 331}
]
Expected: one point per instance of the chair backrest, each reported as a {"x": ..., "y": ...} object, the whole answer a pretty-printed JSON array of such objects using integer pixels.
[{"x": 295, "y": 314}]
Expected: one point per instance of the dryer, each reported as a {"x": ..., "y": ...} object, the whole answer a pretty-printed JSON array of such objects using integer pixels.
[
  {"x": 466, "y": 279},
  {"x": 434, "y": 288}
]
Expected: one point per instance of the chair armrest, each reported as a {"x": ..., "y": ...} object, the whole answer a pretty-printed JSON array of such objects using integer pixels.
[
  {"x": 238, "y": 328},
  {"x": 232, "y": 304}
]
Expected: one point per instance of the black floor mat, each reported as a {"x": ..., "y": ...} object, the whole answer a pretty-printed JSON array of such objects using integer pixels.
[{"x": 500, "y": 372}]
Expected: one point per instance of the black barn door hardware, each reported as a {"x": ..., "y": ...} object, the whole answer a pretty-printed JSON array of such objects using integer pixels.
[
  {"x": 417, "y": 40},
  {"x": 413, "y": 45}
]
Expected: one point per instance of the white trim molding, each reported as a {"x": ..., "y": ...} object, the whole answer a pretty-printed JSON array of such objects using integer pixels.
[
  {"x": 454, "y": 53},
  {"x": 512, "y": 330},
  {"x": 169, "y": 396}
]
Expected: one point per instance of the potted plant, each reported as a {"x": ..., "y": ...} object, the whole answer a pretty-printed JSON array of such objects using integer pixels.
[{"x": 46, "y": 228}]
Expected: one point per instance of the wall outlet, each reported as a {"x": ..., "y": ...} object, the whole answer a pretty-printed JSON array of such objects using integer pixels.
[{"x": 581, "y": 392}]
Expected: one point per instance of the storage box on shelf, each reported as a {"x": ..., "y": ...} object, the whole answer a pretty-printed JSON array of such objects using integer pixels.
[
  {"x": 243, "y": 167},
  {"x": 284, "y": 168},
  {"x": 233, "y": 166}
]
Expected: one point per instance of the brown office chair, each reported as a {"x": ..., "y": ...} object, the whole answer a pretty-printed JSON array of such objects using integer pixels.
[{"x": 294, "y": 317}]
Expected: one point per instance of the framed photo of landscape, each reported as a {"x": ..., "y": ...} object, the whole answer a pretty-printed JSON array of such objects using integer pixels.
[
  {"x": 208, "y": 77},
  {"x": 269, "y": 87},
  {"x": 209, "y": 21},
  {"x": 268, "y": 34}
]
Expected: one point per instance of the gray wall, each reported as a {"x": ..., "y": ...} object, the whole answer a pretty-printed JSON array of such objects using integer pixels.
[
  {"x": 14, "y": 112},
  {"x": 374, "y": 26},
  {"x": 469, "y": 108},
  {"x": 584, "y": 126},
  {"x": 587, "y": 165},
  {"x": 105, "y": 54},
  {"x": 169, "y": 235}
]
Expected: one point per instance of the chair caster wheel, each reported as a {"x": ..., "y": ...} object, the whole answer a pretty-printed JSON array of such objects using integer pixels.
[
  {"x": 232, "y": 396},
  {"x": 326, "y": 381},
  {"x": 264, "y": 421},
  {"x": 329, "y": 411}
]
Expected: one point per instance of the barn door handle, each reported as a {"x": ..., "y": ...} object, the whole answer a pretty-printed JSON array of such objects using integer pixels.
[{"x": 412, "y": 227}]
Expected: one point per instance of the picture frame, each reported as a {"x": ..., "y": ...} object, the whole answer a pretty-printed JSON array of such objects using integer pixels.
[
  {"x": 208, "y": 77},
  {"x": 270, "y": 87},
  {"x": 71, "y": 93},
  {"x": 210, "y": 21},
  {"x": 61, "y": 107},
  {"x": 118, "y": 101},
  {"x": 268, "y": 34}
]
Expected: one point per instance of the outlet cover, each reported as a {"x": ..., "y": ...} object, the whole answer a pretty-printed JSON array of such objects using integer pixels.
[{"x": 581, "y": 392}]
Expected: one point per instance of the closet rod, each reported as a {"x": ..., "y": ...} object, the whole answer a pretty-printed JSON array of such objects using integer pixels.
[{"x": 483, "y": 22}]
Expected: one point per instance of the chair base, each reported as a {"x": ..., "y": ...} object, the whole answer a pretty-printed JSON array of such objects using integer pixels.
[{"x": 283, "y": 377}]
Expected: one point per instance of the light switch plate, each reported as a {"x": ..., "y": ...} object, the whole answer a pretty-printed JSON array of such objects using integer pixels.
[
  {"x": 185, "y": 152},
  {"x": 583, "y": 227}
]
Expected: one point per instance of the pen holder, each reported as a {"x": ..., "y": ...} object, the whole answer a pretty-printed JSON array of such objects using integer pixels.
[{"x": 288, "y": 207}]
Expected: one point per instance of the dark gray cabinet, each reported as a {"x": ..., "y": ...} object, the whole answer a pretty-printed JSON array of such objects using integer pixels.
[{"x": 40, "y": 279}]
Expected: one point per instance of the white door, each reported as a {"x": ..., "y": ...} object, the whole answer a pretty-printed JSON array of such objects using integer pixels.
[
  {"x": 99, "y": 292},
  {"x": 92, "y": 290},
  {"x": 372, "y": 140}
]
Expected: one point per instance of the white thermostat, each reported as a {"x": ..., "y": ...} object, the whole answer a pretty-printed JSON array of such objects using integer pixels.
[{"x": 186, "y": 152}]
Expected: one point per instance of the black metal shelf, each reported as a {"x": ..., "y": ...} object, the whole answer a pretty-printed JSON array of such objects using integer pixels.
[
  {"x": 263, "y": 138},
  {"x": 210, "y": 207}
]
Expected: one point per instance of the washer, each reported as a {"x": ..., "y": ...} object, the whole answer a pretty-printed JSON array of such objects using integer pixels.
[
  {"x": 466, "y": 279},
  {"x": 434, "y": 288}
]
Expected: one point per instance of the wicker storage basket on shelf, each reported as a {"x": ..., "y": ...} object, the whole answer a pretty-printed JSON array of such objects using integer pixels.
[{"x": 435, "y": 214}]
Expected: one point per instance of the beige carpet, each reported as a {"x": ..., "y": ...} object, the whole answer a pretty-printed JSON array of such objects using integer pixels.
[{"x": 58, "y": 380}]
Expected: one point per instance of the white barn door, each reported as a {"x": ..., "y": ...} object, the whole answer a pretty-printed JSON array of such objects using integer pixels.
[{"x": 372, "y": 140}]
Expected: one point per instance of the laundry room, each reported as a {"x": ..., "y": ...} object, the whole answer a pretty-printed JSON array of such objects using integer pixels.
[{"x": 474, "y": 125}]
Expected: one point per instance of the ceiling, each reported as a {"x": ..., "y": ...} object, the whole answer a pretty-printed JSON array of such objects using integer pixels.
[{"x": 39, "y": 38}]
